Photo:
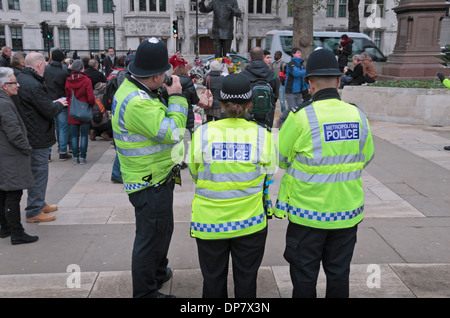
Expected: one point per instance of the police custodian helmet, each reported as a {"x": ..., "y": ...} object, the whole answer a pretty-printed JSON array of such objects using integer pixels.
[
  {"x": 151, "y": 58},
  {"x": 322, "y": 62}
]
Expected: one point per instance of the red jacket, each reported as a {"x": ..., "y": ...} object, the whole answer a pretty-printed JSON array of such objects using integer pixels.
[
  {"x": 173, "y": 60},
  {"x": 81, "y": 84}
]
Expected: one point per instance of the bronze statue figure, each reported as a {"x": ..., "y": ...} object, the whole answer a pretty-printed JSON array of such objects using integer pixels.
[{"x": 223, "y": 26}]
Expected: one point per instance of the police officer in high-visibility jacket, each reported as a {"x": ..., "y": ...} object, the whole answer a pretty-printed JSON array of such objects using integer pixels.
[
  {"x": 148, "y": 137},
  {"x": 324, "y": 145},
  {"x": 231, "y": 162}
]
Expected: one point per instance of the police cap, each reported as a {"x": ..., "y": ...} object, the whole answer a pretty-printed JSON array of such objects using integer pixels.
[
  {"x": 151, "y": 58},
  {"x": 322, "y": 62}
]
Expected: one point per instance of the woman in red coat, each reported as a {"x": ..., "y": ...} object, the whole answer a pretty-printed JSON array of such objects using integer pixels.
[{"x": 80, "y": 84}]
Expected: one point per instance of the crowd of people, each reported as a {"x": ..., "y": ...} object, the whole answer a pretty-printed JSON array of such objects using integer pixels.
[{"x": 36, "y": 99}]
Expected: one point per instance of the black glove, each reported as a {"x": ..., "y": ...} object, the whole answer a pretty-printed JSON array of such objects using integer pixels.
[{"x": 441, "y": 76}]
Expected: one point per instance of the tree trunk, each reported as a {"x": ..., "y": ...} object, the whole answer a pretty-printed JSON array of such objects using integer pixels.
[
  {"x": 303, "y": 26},
  {"x": 353, "y": 15}
]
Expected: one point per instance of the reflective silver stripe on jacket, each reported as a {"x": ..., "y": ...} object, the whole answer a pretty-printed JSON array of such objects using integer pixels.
[
  {"x": 124, "y": 134},
  {"x": 126, "y": 137},
  {"x": 318, "y": 158},
  {"x": 230, "y": 177},
  {"x": 228, "y": 226}
]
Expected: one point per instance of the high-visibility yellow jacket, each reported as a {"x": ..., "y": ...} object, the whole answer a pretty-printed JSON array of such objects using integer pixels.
[
  {"x": 324, "y": 147},
  {"x": 148, "y": 135},
  {"x": 446, "y": 83},
  {"x": 230, "y": 161}
]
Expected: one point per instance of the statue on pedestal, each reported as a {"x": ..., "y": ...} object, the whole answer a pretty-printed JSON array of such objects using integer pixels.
[{"x": 223, "y": 24}]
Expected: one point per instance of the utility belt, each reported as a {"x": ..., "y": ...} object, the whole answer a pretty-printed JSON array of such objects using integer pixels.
[{"x": 174, "y": 175}]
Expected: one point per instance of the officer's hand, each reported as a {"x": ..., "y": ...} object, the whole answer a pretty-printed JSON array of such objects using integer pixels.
[
  {"x": 175, "y": 88},
  {"x": 441, "y": 76}
]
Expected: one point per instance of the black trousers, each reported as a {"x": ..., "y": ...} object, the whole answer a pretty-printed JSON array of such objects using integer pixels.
[
  {"x": 246, "y": 252},
  {"x": 306, "y": 247},
  {"x": 10, "y": 212},
  {"x": 154, "y": 228}
]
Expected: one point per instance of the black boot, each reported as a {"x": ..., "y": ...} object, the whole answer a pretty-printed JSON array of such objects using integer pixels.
[
  {"x": 5, "y": 232},
  {"x": 23, "y": 239}
]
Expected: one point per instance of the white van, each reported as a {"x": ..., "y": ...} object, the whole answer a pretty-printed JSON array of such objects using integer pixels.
[{"x": 281, "y": 40}]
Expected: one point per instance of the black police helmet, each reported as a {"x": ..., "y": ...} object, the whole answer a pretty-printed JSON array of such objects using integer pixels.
[
  {"x": 151, "y": 58},
  {"x": 322, "y": 62}
]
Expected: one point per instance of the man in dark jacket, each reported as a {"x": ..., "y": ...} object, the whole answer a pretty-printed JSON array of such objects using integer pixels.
[
  {"x": 15, "y": 162},
  {"x": 344, "y": 51},
  {"x": 259, "y": 73},
  {"x": 38, "y": 111},
  {"x": 95, "y": 75},
  {"x": 55, "y": 80},
  {"x": 110, "y": 61},
  {"x": 5, "y": 60}
]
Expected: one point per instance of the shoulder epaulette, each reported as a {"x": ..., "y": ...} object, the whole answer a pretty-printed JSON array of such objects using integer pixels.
[{"x": 296, "y": 108}]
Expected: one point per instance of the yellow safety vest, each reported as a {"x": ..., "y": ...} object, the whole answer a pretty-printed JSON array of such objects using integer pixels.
[
  {"x": 148, "y": 135},
  {"x": 230, "y": 162},
  {"x": 324, "y": 148}
]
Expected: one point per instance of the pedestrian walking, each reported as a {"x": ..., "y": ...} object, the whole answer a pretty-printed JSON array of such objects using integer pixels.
[
  {"x": 15, "y": 162},
  {"x": 231, "y": 162},
  {"x": 148, "y": 137},
  {"x": 324, "y": 145}
]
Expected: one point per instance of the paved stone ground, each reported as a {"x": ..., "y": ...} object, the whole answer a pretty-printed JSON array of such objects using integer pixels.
[{"x": 403, "y": 248}]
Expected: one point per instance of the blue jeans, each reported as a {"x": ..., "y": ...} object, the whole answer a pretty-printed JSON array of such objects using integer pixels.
[
  {"x": 80, "y": 136},
  {"x": 36, "y": 195},
  {"x": 282, "y": 99},
  {"x": 62, "y": 130},
  {"x": 116, "y": 173}
]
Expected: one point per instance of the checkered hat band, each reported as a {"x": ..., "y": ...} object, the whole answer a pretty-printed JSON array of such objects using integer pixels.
[{"x": 226, "y": 96}]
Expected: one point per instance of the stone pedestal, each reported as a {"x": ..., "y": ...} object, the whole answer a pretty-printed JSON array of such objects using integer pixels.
[{"x": 418, "y": 44}]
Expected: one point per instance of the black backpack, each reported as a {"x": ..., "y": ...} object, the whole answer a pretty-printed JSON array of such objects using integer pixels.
[
  {"x": 263, "y": 108},
  {"x": 262, "y": 97},
  {"x": 111, "y": 87}
]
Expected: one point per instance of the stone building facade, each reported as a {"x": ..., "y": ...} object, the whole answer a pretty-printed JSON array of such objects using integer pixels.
[{"x": 94, "y": 25}]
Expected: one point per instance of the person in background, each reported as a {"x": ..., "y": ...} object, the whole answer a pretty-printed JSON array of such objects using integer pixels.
[
  {"x": 268, "y": 58},
  {"x": 110, "y": 61},
  {"x": 94, "y": 74},
  {"x": 55, "y": 80},
  {"x": 15, "y": 162},
  {"x": 371, "y": 74},
  {"x": 5, "y": 59},
  {"x": 344, "y": 51},
  {"x": 17, "y": 63},
  {"x": 177, "y": 59},
  {"x": 38, "y": 112},
  {"x": 355, "y": 76},
  {"x": 79, "y": 84},
  {"x": 190, "y": 92},
  {"x": 297, "y": 90},
  {"x": 215, "y": 79},
  {"x": 278, "y": 66}
]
